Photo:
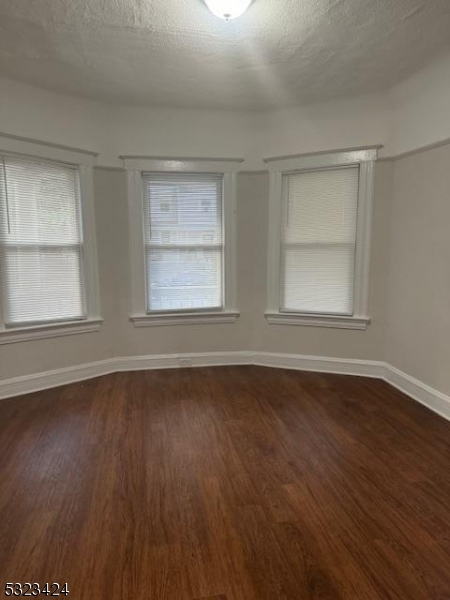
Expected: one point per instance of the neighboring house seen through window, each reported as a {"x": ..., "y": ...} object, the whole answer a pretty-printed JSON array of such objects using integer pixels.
[{"x": 183, "y": 240}]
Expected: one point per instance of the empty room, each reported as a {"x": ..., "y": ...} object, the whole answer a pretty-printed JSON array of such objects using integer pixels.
[{"x": 225, "y": 299}]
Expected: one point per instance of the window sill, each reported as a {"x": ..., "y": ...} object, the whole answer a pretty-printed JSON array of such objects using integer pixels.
[
  {"x": 184, "y": 319},
  {"x": 41, "y": 332},
  {"x": 331, "y": 321}
]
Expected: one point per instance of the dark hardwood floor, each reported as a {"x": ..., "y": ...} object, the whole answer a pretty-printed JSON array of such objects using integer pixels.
[{"x": 231, "y": 483}]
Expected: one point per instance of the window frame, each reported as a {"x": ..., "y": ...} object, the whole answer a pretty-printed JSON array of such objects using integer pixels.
[
  {"x": 83, "y": 161},
  {"x": 228, "y": 169},
  {"x": 365, "y": 159},
  {"x": 157, "y": 246}
]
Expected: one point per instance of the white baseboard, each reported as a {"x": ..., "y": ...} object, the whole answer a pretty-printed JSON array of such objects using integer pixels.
[
  {"x": 35, "y": 382},
  {"x": 44, "y": 380},
  {"x": 416, "y": 389},
  {"x": 175, "y": 361},
  {"x": 322, "y": 364},
  {"x": 426, "y": 395}
]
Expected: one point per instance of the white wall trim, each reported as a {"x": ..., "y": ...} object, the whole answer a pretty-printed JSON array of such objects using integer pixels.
[
  {"x": 436, "y": 401},
  {"x": 30, "y": 147},
  {"x": 135, "y": 170},
  {"x": 320, "y": 160},
  {"x": 87, "y": 245},
  {"x": 136, "y": 241},
  {"x": 35, "y": 382},
  {"x": 306, "y": 320},
  {"x": 192, "y": 359},
  {"x": 90, "y": 251},
  {"x": 320, "y": 364},
  {"x": 50, "y": 379},
  {"x": 181, "y": 165},
  {"x": 418, "y": 150},
  {"x": 364, "y": 159},
  {"x": 193, "y": 318},
  {"x": 49, "y": 330}
]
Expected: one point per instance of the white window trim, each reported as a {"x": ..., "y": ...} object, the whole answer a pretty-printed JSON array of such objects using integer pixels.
[
  {"x": 84, "y": 161},
  {"x": 41, "y": 332},
  {"x": 363, "y": 157},
  {"x": 135, "y": 166}
]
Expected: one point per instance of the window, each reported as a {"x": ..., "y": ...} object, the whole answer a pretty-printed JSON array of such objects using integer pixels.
[
  {"x": 182, "y": 241},
  {"x": 319, "y": 248},
  {"x": 318, "y": 240},
  {"x": 43, "y": 255},
  {"x": 42, "y": 242}
]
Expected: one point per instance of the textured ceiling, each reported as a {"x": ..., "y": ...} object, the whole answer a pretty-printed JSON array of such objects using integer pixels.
[{"x": 175, "y": 53}]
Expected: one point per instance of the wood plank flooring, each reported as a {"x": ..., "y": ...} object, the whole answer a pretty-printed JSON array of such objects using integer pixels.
[{"x": 230, "y": 483}]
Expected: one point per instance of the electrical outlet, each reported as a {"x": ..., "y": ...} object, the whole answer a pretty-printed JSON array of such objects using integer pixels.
[{"x": 185, "y": 362}]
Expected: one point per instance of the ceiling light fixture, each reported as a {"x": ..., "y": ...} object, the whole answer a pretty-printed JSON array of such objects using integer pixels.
[{"x": 228, "y": 9}]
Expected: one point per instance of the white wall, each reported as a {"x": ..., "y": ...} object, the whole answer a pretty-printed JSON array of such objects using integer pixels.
[
  {"x": 119, "y": 337},
  {"x": 178, "y": 132},
  {"x": 115, "y": 130},
  {"x": 361, "y": 121},
  {"x": 34, "y": 113},
  {"x": 111, "y": 195},
  {"x": 410, "y": 322},
  {"x": 421, "y": 108},
  {"x": 321, "y": 341},
  {"x": 418, "y": 339},
  {"x": 252, "y": 330},
  {"x": 43, "y": 355},
  {"x": 413, "y": 114}
]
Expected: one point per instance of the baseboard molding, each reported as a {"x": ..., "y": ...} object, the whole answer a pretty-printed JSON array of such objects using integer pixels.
[
  {"x": 419, "y": 391},
  {"x": 322, "y": 364},
  {"x": 176, "y": 361},
  {"x": 36, "y": 382},
  {"x": 44, "y": 380}
]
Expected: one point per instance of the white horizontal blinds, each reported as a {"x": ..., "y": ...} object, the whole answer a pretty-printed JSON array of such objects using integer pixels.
[
  {"x": 319, "y": 240},
  {"x": 41, "y": 242},
  {"x": 183, "y": 241}
]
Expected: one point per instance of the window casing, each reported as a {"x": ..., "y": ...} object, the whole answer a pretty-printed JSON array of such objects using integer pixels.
[
  {"x": 319, "y": 239},
  {"x": 48, "y": 265},
  {"x": 182, "y": 240}
]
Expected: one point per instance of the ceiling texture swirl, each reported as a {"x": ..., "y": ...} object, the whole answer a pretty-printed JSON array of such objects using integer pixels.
[{"x": 176, "y": 53}]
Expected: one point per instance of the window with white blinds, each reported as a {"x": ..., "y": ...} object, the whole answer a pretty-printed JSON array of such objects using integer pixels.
[
  {"x": 318, "y": 240},
  {"x": 184, "y": 242},
  {"x": 41, "y": 242}
]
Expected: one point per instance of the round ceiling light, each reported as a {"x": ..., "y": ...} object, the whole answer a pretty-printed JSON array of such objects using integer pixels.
[{"x": 228, "y": 9}]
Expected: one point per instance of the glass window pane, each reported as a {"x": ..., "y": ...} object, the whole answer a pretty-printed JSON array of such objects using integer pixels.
[
  {"x": 184, "y": 279},
  {"x": 184, "y": 240}
]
